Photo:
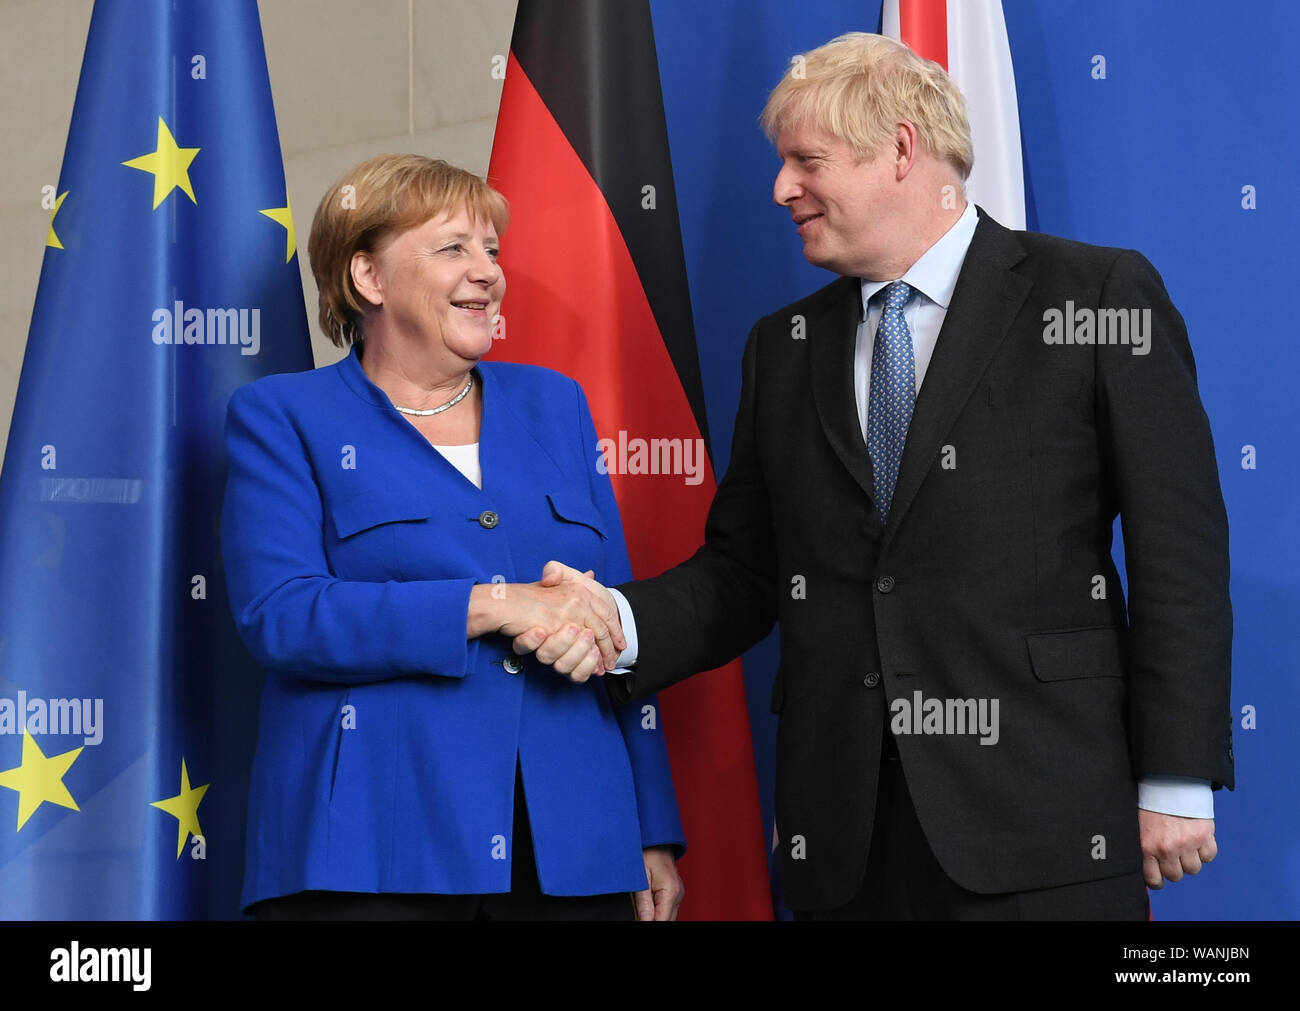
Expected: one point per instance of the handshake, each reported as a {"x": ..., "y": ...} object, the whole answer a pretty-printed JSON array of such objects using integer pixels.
[{"x": 567, "y": 619}]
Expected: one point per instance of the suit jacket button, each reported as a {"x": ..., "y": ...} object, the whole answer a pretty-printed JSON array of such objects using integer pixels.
[
  {"x": 513, "y": 664},
  {"x": 488, "y": 519},
  {"x": 885, "y": 584},
  {"x": 871, "y": 680}
]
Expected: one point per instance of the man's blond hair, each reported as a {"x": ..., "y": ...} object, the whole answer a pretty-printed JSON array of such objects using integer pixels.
[{"x": 858, "y": 87}]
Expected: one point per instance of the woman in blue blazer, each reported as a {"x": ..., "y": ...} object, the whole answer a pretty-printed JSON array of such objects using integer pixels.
[{"x": 385, "y": 523}]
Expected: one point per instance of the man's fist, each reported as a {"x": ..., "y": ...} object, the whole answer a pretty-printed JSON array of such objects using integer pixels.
[{"x": 1174, "y": 846}]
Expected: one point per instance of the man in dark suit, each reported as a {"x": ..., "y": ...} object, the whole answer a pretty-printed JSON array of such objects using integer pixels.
[{"x": 928, "y": 458}]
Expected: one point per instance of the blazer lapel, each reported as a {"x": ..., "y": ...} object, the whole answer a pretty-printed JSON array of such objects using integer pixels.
[
  {"x": 832, "y": 336},
  {"x": 984, "y": 304},
  {"x": 513, "y": 445}
]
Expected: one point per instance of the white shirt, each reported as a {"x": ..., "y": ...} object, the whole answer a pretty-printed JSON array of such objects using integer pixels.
[
  {"x": 464, "y": 459},
  {"x": 933, "y": 278}
]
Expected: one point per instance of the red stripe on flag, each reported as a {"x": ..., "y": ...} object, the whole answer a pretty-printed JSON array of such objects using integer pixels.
[
  {"x": 923, "y": 25},
  {"x": 574, "y": 303}
]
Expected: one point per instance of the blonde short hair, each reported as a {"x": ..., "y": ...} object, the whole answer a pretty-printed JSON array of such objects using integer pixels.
[
  {"x": 372, "y": 202},
  {"x": 858, "y": 87}
]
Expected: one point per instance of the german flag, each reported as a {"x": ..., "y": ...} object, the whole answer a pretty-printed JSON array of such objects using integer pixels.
[{"x": 597, "y": 290}]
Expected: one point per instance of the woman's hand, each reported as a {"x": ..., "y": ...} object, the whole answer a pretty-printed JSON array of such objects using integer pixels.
[
  {"x": 666, "y": 891},
  {"x": 570, "y": 628}
]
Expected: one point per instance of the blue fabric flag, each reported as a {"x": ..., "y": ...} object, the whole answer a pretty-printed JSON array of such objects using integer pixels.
[{"x": 127, "y": 703}]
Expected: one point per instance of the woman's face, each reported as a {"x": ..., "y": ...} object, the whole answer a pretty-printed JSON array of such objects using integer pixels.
[{"x": 441, "y": 285}]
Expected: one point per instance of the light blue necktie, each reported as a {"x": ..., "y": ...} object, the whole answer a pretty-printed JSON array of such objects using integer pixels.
[{"x": 893, "y": 391}]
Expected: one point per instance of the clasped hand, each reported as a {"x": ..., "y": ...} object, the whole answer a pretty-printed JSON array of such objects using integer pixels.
[{"x": 566, "y": 619}]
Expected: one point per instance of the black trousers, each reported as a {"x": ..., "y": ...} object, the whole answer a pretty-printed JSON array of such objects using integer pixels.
[
  {"x": 524, "y": 901},
  {"x": 904, "y": 880}
]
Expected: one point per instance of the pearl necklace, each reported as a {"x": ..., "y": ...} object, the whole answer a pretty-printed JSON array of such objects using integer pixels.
[{"x": 438, "y": 410}]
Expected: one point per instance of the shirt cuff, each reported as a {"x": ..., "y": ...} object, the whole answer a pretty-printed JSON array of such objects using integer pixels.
[
  {"x": 626, "y": 659},
  {"x": 1178, "y": 795}
]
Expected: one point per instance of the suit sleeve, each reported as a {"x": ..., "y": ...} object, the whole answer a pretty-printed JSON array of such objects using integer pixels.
[
  {"x": 292, "y": 612},
  {"x": 641, "y": 724},
  {"x": 1175, "y": 528},
  {"x": 708, "y": 610}
]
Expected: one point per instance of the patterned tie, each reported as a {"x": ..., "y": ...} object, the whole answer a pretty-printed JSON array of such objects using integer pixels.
[{"x": 893, "y": 390}]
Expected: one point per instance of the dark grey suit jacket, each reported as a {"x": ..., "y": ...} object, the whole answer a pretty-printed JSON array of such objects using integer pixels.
[{"x": 991, "y": 580}]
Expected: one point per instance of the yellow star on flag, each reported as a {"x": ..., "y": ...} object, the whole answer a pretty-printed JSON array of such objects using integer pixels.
[
  {"x": 284, "y": 216},
  {"x": 168, "y": 163},
  {"x": 52, "y": 239},
  {"x": 184, "y": 807},
  {"x": 39, "y": 779}
]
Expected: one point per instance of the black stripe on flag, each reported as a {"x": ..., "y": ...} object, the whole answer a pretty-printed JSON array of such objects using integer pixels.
[{"x": 594, "y": 64}]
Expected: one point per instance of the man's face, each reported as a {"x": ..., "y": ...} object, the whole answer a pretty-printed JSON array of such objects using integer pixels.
[{"x": 842, "y": 207}]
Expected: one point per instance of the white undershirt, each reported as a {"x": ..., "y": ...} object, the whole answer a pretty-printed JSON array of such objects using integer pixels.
[{"x": 464, "y": 459}]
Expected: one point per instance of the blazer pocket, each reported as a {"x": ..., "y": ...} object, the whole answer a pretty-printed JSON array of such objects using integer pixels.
[
  {"x": 1077, "y": 653},
  {"x": 571, "y": 508},
  {"x": 373, "y": 507}
]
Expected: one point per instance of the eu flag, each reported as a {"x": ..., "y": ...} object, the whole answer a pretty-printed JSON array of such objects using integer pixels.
[{"x": 127, "y": 703}]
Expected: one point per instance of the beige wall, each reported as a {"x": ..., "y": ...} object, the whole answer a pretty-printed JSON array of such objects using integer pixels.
[{"x": 351, "y": 78}]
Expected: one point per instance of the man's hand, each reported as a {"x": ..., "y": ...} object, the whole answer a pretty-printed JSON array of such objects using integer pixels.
[
  {"x": 1173, "y": 846},
  {"x": 547, "y": 643},
  {"x": 666, "y": 891}
]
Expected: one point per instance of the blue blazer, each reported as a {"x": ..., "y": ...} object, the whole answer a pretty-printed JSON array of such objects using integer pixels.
[{"x": 388, "y": 741}]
